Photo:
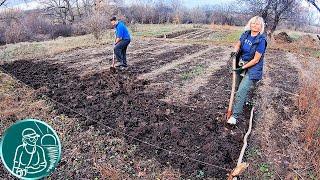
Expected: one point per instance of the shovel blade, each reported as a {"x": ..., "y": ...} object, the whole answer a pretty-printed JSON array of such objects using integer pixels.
[{"x": 112, "y": 69}]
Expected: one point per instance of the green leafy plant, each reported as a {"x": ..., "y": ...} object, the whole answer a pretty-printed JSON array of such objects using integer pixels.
[
  {"x": 200, "y": 174},
  {"x": 194, "y": 72},
  {"x": 253, "y": 152},
  {"x": 266, "y": 170}
]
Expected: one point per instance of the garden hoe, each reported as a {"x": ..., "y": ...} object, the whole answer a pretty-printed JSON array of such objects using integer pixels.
[{"x": 233, "y": 89}]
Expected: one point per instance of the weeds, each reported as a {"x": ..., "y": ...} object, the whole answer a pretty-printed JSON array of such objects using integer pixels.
[
  {"x": 200, "y": 174},
  {"x": 233, "y": 37},
  {"x": 5, "y": 85},
  {"x": 191, "y": 74},
  {"x": 308, "y": 104},
  {"x": 316, "y": 54},
  {"x": 311, "y": 175},
  {"x": 21, "y": 50},
  {"x": 253, "y": 152},
  {"x": 266, "y": 170}
]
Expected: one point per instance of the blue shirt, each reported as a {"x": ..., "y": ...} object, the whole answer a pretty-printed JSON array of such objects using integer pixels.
[
  {"x": 261, "y": 47},
  {"x": 122, "y": 31}
]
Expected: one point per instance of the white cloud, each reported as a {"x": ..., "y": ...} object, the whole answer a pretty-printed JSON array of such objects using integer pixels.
[
  {"x": 23, "y": 5},
  {"x": 28, "y": 5}
]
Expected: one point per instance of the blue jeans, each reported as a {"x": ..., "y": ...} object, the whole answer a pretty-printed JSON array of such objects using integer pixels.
[
  {"x": 120, "y": 50},
  {"x": 244, "y": 85}
]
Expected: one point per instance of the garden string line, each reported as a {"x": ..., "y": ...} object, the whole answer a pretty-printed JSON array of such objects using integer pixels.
[{"x": 112, "y": 129}]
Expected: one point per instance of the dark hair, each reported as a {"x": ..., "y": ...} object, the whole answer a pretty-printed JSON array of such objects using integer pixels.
[{"x": 113, "y": 18}]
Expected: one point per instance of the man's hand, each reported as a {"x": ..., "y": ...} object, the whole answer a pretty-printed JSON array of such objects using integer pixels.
[{"x": 238, "y": 69}]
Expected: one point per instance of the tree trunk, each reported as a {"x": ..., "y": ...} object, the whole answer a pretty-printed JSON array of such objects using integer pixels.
[
  {"x": 264, "y": 13},
  {"x": 69, "y": 10},
  {"x": 78, "y": 9},
  {"x": 275, "y": 23}
]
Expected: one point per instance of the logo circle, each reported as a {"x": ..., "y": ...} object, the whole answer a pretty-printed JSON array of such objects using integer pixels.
[{"x": 30, "y": 149}]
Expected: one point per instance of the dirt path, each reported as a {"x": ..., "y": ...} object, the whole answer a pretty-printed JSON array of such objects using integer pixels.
[{"x": 277, "y": 135}]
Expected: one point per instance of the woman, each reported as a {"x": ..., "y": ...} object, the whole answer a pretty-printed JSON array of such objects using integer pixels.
[{"x": 250, "y": 51}]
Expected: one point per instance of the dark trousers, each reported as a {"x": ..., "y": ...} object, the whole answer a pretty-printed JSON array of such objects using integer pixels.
[{"x": 120, "y": 50}]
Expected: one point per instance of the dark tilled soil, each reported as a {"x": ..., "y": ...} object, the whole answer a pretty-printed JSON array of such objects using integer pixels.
[
  {"x": 205, "y": 35},
  {"x": 164, "y": 58},
  {"x": 174, "y": 75},
  {"x": 199, "y": 34},
  {"x": 283, "y": 37},
  {"x": 119, "y": 101}
]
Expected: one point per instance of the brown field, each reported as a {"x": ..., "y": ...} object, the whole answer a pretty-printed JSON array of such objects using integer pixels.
[{"x": 163, "y": 118}]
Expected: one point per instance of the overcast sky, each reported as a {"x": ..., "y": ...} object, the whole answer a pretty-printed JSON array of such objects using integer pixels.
[{"x": 31, "y": 4}]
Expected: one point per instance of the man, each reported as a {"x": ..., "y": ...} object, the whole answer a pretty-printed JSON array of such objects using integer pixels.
[
  {"x": 29, "y": 157},
  {"x": 121, "y": 42}
]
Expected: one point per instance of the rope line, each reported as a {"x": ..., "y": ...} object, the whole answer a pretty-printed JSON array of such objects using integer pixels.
[{"x": 113, "y": 129}]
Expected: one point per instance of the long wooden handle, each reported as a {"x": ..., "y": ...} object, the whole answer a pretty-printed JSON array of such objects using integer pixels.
[
  {"x": 113, "y": 58},
  {"x": 229, "y": 111}
]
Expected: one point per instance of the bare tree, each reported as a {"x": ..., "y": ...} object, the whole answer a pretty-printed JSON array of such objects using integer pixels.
[
  {"x": 198, "y": 15},
  {"x": 163, "y": 11},
  {"x": 224, "y": 14},
  {"x": 59, "y": 9},
  {"x": 280, "y": 10},
  {"x": 273, "y": 11},
  {"x": 177, "y": 7}
]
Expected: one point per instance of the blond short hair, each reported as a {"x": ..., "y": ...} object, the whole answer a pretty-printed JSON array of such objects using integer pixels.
[{"x": 255, "y": 19}]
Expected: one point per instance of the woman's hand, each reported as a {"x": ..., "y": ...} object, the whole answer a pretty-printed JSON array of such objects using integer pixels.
[
  {"x": 254, "y": 61},
  {"x": 238, "y": 69}
]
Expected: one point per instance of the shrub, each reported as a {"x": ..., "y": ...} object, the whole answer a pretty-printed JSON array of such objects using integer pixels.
[
  {"x": 38, "y": 24},
  {"x": 63, "y": 30},
  {"x": 15, "y": 33},
  {"x": 95, "y": 24},
  {"x": 79, "y": 29}
]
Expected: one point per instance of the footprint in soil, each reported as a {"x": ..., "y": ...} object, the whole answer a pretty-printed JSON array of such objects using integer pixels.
[{"x": 119, "y": 99}]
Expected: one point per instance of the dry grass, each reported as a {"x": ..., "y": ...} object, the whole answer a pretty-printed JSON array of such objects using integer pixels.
[
  {"x": 309, "y": 103},
  {"x": 25, "y": 50},
  {"x": 169, "y": 174},
  {"x": 217, "y": 27},
  {"x": 148, "y": 30}
]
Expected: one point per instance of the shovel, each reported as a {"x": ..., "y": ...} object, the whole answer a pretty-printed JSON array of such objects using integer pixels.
[
  {"x": 112, "y": 68},
  {"x": 233, "y": 89}
]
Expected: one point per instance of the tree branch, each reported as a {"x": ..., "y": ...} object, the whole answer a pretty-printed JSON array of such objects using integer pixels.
[
  {"x": 313, "y": 2},
  {"x": 2, "y": 2}
]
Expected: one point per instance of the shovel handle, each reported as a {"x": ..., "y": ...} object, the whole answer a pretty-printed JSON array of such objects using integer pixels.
[
  {"x": 113, "y": 63},
  {"x": 113, "y": 60},
  {"x": 229, "y": 113},
  {"x": 233, "y": 88}
]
